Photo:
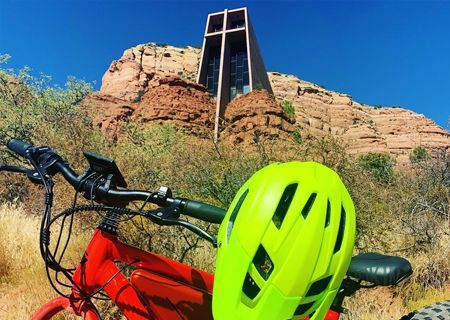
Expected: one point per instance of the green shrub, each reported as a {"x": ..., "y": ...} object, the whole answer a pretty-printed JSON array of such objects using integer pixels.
[
  {"x": 297, "y": 135},
  {"x": 33, "y": 110},
  {"x": 139, "y": 96},
  {"x": 419, "y": 155},
  {"x": 288, "y": 108},
  {"x": 380, "y": 165}
]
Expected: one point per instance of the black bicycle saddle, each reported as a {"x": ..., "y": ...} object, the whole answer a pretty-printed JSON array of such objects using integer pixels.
[{"x": 379, "y": 269}]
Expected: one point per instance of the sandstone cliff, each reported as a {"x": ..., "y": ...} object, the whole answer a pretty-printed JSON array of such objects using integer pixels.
[
  {"x": 164, "y": 99},
  {"x": 138, "y": 65},
  {"x": 364, "y": 128},
  {"x": 155, "y": 83},
  {"x": 255, "y": 115}
]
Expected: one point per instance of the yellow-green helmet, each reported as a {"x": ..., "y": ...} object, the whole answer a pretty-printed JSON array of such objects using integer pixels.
[{"x": 285, "y": 244}]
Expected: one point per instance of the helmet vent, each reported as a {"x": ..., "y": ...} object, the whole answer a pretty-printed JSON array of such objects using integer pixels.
[
  {"x": 233, "y": 215},
  {"x": 318, "y": 286},
  {"x": 263, "y": 263},
  {"x": 308, "y": 205},
  {"x": 302, "y": 308},
  {"x": 340, "y": 235},
  {"x": 327, "y": 219},
  {"x": 250, "y": 288},
  {"x": 284, "y": 204}
]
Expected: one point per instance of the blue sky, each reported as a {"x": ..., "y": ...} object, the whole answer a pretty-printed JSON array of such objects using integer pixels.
[{"x": 394, "y": 53}]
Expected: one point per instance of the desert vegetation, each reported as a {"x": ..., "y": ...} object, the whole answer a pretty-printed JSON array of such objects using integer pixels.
[
  {"x": 288, "y": 108},
  {"x": 398, "y": 212}
]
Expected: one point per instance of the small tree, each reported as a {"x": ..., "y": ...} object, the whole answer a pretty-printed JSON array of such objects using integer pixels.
[
  {"x": 419, "y": 155},
  {"x": 380, "y": 165},
  {"x": 34, "y": 110}
]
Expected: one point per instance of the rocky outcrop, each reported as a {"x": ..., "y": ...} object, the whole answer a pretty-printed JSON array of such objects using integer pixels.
[
  {"x": 107, "y": 112},
  {"x": 255, "y": 115},
  {"x": 129, "y": 75},
  {"x": 155, "y": 83},
  {"x": 172, "y": 100},
  {"x": 391, "y": 130},
  {"x": 165, "y": 99}
]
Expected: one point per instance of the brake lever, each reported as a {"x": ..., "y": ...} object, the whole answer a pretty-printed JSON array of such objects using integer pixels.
[
  {"x": 34, "y": 177},
  {"x": 198, "y": 231},
  {"x": 166, "y": 215},
  {"x": 15, "y": 169},
  {"x": 170, "y": 216},
  {"x": 31, "y": 174}
]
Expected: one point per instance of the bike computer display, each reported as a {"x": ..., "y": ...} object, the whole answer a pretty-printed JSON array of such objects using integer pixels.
[{"x": 105, "y": 166}]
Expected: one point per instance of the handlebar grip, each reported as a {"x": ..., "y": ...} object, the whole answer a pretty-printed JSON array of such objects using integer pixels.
[
  {"x": 18, "y": 146},
  {"x": 203, "y": 211}
]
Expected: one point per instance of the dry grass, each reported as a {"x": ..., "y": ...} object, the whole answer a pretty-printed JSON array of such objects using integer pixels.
[
  {"x": 387, "y": 303},
  {"x": 429, "y": 284},
  {"x": 393, "y": 302},
  {"x": 375, "y": 304},
  {"x": 23, "y": 283},
  {"x": 21, "y": 271}
]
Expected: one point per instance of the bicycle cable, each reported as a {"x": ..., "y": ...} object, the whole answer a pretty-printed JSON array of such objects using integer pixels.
[
  {"x": 82, "y": 181},
  {"x": 71, "y": 211}
]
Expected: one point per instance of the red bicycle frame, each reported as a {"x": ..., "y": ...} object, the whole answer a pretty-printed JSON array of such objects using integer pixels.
[{"x": 159, "y": 289}]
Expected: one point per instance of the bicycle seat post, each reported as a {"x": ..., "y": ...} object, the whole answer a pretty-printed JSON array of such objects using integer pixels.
[{"x": 347, "y": 289}]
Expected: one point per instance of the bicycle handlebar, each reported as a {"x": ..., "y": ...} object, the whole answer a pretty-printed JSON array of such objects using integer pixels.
[
  {"x": 18, "y": 147},
  {"x": 193, "y": 208},
  {"x": 202, "y": 210}
]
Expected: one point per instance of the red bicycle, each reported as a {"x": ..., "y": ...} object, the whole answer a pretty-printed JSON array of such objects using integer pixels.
[{"x": 158, "y": 288}]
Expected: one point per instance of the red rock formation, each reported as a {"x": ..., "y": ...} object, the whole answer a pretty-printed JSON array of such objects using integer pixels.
[
  {"x": 173, "y": 100},
  {"x": 391, "y": 130},
  {"x": 255, "y": 114},
  {"x": 107, "y": 112},
  {"x": 160, "y": 78},
  {"x": 167, "y": 99},
  {"x": 138, "y": 65}
]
